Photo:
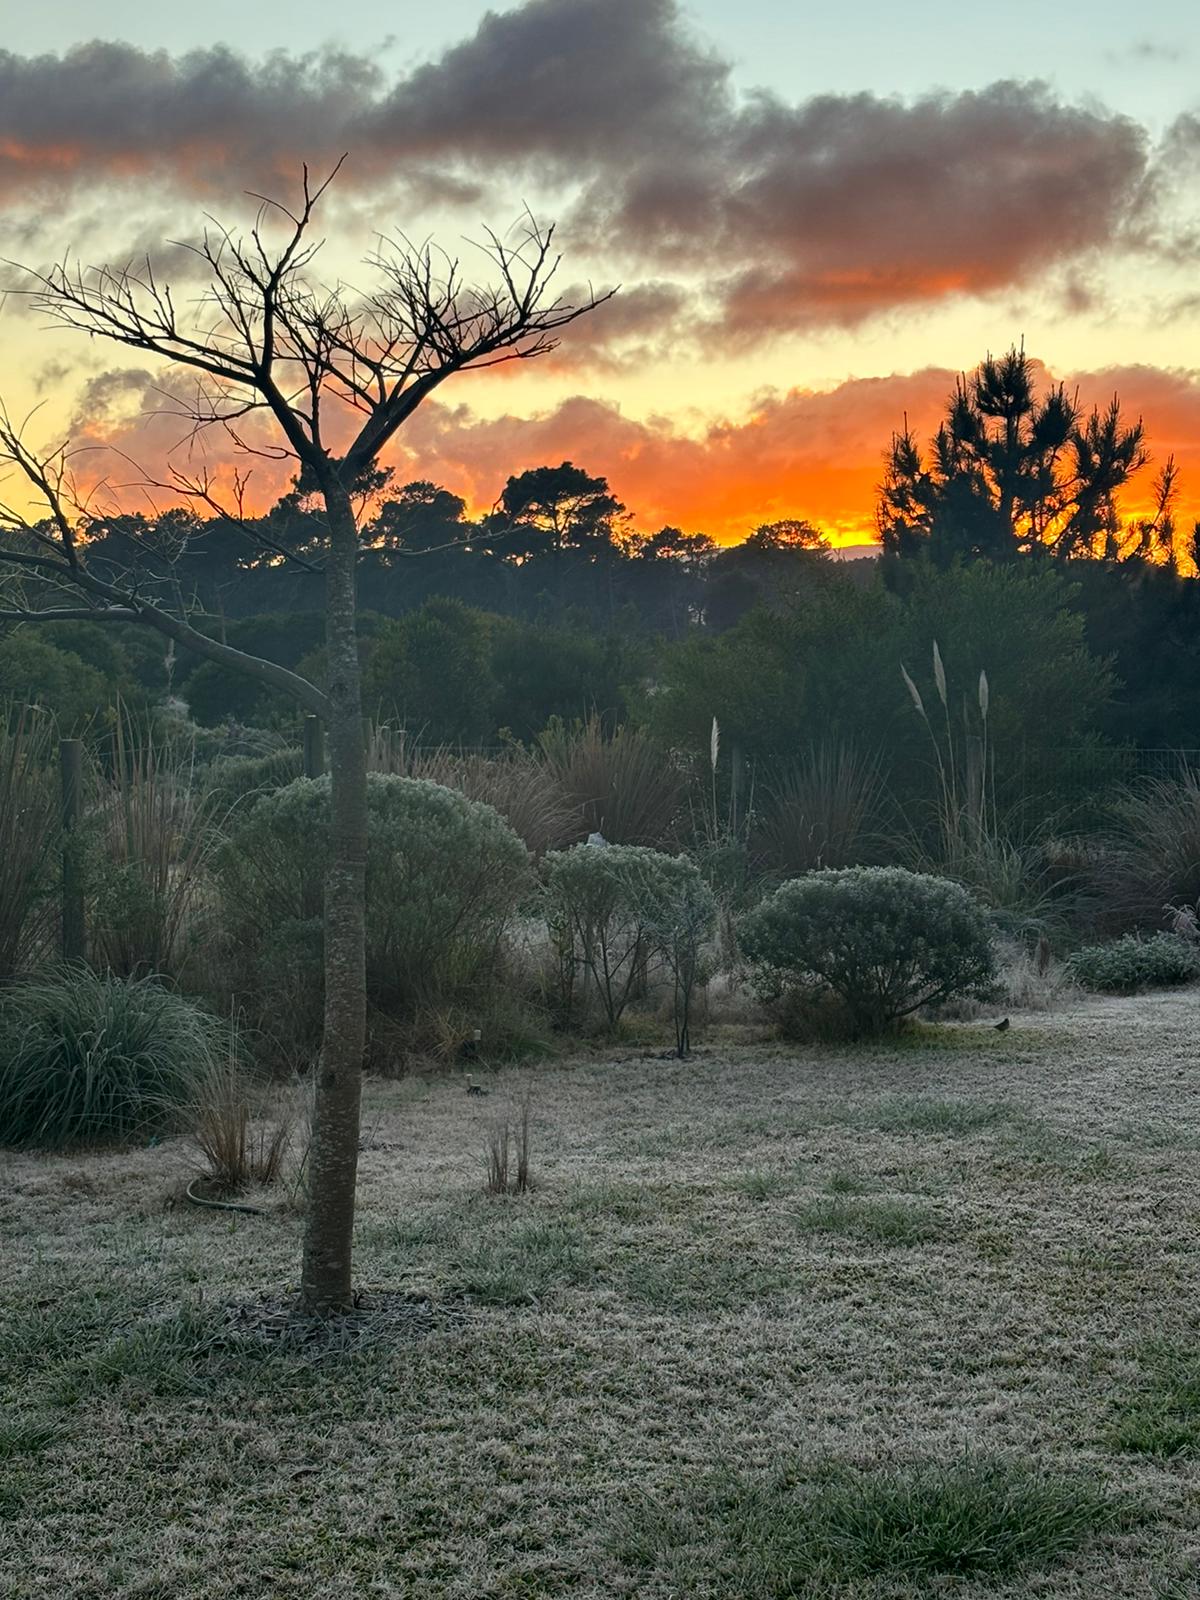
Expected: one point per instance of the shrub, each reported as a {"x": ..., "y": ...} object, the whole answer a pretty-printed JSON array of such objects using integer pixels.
[
  {"x": 613, "y": 910},
  {"x": 444, "y": 876},
  {"x": 1133, "y": 963},
  {"x": 85, "y": 1057},
  {"x": 884, "y": 941},
  {"x": 684, "y": 926},
  {"x": 238, "y": 780}
]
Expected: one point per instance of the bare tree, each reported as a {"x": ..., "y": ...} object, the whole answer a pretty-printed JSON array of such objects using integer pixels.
[{"x": 337, "y": 372}]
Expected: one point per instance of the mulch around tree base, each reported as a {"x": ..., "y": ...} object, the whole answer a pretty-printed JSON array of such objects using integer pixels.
[{"x": 378, "y": 1317}]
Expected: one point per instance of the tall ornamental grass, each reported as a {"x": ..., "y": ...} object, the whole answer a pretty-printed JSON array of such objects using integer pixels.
[
  {"x": 29, "y": 834},
  {"x": 156, "y": 831},
  {"x": 90, "y": 1058}
]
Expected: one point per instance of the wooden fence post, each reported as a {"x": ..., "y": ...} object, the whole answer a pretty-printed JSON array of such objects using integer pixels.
[
  {"x": 74, "y": 931},
  {"x": 314, "y": 747}
]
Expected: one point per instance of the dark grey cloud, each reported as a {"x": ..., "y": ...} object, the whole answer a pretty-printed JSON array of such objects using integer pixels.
[{"x": 827, "y": 211}]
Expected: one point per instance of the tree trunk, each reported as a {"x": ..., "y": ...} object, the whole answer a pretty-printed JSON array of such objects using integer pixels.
[{"x": 326, "y": 1284}]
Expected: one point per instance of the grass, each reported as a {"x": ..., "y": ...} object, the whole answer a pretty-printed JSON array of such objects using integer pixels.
[
  {"x": 934, "y": 1114},
  {"x": 887, "y": 1222},
  {"x": 870, "y": 1324},
  {"x": 1160, "y": 1415},
  {"x": 88, "y": 1057},
  {"x": 836, "y": 1524},
  {"x": 27, "y": 1436}
]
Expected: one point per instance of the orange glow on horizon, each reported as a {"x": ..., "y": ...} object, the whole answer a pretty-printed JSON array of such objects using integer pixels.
[{"x": 816, "y": 456}]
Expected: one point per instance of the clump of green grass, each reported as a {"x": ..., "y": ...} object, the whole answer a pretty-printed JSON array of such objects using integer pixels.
[
  {"x": 980, "y": 1518},
  {"x": 34, "y": 1338},
  {"x": 760, "y": 1185},
  {"x": 87, "y": 1057},
  {"x": 843, "y": 1181},
  {"x": 414, "y": 1234},
  {"x": 27, "y": 1435},
  {"x": 874, "y": 1221},
  {"x": 1161, "y": 1416},
  {"x": 521, "y": 1264},
  {"x": 165, "y": 1356},
  {"x": 622, "y": 1202},
  {"x": 1100, "y": 1164},
  {"x": 704, "y": 1281},
  {"x": 930, "y": 1114}
]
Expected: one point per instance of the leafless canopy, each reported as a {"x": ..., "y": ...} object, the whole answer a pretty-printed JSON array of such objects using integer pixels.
[{"x": 338, "y": 370}]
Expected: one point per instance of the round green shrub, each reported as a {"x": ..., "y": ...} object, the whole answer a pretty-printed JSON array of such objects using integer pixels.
[
  {"x": 91, "y": 1058},
  {"x": 883, "y": 941},
  {"x": 1133, "y": 962},
  {"x": 444, "y": 877}
]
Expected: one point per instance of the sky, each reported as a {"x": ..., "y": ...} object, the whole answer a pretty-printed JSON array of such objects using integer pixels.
[{"x": 818, "y": 216}]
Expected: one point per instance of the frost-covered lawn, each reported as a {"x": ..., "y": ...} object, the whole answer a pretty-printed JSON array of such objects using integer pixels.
[{"x": 821, "y": 1322}]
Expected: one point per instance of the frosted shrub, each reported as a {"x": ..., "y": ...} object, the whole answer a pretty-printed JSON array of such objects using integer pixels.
[
  {"x": 882, "y": 941},
  {"x": 616, "y": 910}
]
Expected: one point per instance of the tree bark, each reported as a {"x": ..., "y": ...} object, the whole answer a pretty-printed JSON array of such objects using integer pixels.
[{"x": 326, "y": 1274}]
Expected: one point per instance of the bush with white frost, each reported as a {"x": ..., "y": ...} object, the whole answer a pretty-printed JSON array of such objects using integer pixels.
[
  {"x": 882, "y": 941},
  {"x": 444, "y": 878},
  {"x": 616, "y": 911}
]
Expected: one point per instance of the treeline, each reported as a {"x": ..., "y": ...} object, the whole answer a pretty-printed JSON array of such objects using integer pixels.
[
  {"x": 1001, "y": 539},
  {"x": 1081, "y": 662}
]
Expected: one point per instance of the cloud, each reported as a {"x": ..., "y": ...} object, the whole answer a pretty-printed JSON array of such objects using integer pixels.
[
  {"x": 848, "y": 205},
  {"x": 789, "y": 216},
  {"x": 803, "y": 453},
  {"x": 112, "y": 111},
  {"x": 562, "y": 82},
  {"x": 556, "y": 82},
  {"x": 1148, "y": 52}
]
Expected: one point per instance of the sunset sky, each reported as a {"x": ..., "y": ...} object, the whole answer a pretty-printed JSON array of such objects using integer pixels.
[{"x": 818, "y": 215}]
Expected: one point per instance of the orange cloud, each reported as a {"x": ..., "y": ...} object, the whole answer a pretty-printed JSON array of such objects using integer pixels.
[{"x": 806, "y": 453}]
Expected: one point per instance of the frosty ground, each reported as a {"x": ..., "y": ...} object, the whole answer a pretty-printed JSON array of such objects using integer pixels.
[{"x": 739, "y": 1280}]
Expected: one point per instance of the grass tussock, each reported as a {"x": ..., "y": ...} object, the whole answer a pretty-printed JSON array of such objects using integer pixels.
[
  {"x": 242, "y": 1139},
  {"x": 621, "y": 784},
  {"x": 804, "y": 1534},
  {"x": 821, "y": 812},
  {"x": 872, "y": 1221},
  {"x": 1153, "y": 859},
  {"x": 157, "y": 828},
  {"x": 90, "y": 1058},
  {"x": 509, "y": 1149}
]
